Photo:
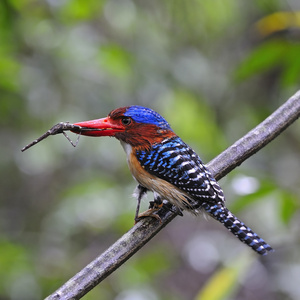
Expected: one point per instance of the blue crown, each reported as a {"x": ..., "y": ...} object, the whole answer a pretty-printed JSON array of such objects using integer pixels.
[{"x": 146, "y": 115}]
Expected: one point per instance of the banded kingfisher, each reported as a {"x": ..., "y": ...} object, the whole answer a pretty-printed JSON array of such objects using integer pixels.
[{"x": 162, "y": 163}]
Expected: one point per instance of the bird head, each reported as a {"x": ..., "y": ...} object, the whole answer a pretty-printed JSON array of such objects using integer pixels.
[{"x": 136, "y": 125}]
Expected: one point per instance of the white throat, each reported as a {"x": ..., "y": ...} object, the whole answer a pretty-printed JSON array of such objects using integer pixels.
[{"x": 127, "y": 148}]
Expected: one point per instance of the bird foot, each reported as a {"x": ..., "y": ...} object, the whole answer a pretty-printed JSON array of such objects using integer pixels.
[{"x": 151, "y": 212}]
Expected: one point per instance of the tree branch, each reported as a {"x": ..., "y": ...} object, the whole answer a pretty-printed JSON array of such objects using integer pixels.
[{"x": 147, "y": 228}]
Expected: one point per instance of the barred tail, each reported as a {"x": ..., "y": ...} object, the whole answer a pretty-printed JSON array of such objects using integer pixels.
[{"x": 238, "y": 228}]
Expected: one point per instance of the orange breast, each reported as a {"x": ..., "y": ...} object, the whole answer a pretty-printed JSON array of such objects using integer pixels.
[{"x": 165, "y": 189}]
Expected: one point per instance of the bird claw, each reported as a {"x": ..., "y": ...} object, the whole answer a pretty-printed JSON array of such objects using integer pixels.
[
  {"x": 151, "y": 212},
  {"x": 154, "y": 207},
  {"x": 148, "y": 213}
]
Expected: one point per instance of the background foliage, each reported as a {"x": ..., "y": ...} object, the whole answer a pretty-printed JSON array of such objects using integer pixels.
[{"x": 214, "y": 70}]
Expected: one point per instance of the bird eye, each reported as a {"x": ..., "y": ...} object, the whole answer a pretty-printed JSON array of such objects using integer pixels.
[{"x": 126, "y": 121}]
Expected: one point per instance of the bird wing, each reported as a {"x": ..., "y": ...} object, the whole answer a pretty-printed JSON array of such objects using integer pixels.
[{"x": 177, "y": 163}]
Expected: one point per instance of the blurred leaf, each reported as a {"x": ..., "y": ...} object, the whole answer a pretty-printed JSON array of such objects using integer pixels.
[
  {"x": 278, "y": 21},
  {"x": 291, "y": 72},
  {"x": 194, "y": 120},
  {"x": 12, "y": 256},
  {"x": 14, "y": 261},
  {"x": 267, "y": 6},
  {"x": 263, "y": 58},
  {"x": 11, "y": 107},
  {"x": 209, "y": 18},
  {"x": 21, "y": 4},
  {"x": 271, "y": 55},
  {"x": 266, "y": 188},
  {"x": 78, "y": 10},
  {"x": 124, "y": 221},
  {"x": 9, "y": 66},
  {"x": 144, "y": 268},
  {"x": 115, "y": 60},
  {"x": 8, "y": 72},
  {"x": 224, "y": 282},
  {"x": 289, "y": 206},
  {"x": 88, "y": 186}
]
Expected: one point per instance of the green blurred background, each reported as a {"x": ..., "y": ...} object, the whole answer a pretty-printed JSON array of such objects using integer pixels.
[{"x": 214, "y": 70}]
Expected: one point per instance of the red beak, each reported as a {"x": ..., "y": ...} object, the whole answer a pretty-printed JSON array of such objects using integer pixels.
[{"x": 99, "y": 127}]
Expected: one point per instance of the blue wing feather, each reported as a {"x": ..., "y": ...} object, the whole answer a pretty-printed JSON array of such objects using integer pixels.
[{"x": 177, "y": 163}]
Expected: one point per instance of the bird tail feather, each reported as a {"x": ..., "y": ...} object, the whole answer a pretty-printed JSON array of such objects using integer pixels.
[{"x": 238, "y": 228}]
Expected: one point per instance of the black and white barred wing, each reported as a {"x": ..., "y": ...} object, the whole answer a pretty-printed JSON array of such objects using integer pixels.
[{"x": 177, "y": 163}]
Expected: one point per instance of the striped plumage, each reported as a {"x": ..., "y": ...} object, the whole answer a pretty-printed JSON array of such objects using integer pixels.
[
  {"x": 162, "y": 163},
  {"x": 177, "y": 163}
]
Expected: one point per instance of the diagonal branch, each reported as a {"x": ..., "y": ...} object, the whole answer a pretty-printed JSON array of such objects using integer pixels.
[{"x": 142, "y": 232}]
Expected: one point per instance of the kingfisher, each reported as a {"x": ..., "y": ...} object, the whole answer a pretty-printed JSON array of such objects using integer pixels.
[{"x": 161, "y": 162}]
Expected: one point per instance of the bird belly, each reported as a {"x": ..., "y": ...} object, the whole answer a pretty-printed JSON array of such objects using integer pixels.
[{"x": 165, "y": 189}]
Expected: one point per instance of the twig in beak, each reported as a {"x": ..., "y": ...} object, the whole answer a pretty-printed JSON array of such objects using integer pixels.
[
  {"x": 56, "y": 129},
  {"x": 71, "y": 142}
]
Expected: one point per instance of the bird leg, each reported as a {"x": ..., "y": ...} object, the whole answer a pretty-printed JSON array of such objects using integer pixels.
[
  {"x": 139, "y": 192},
  {"x": 151, "y": 212},
  {"x": 155, "y": 205}
]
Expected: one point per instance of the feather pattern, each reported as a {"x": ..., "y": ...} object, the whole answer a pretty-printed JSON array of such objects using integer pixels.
[
  {"x": 192, "y": 186},
  {"x": 162, "y": 163},
  {"x": 176, "y": 162}
]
